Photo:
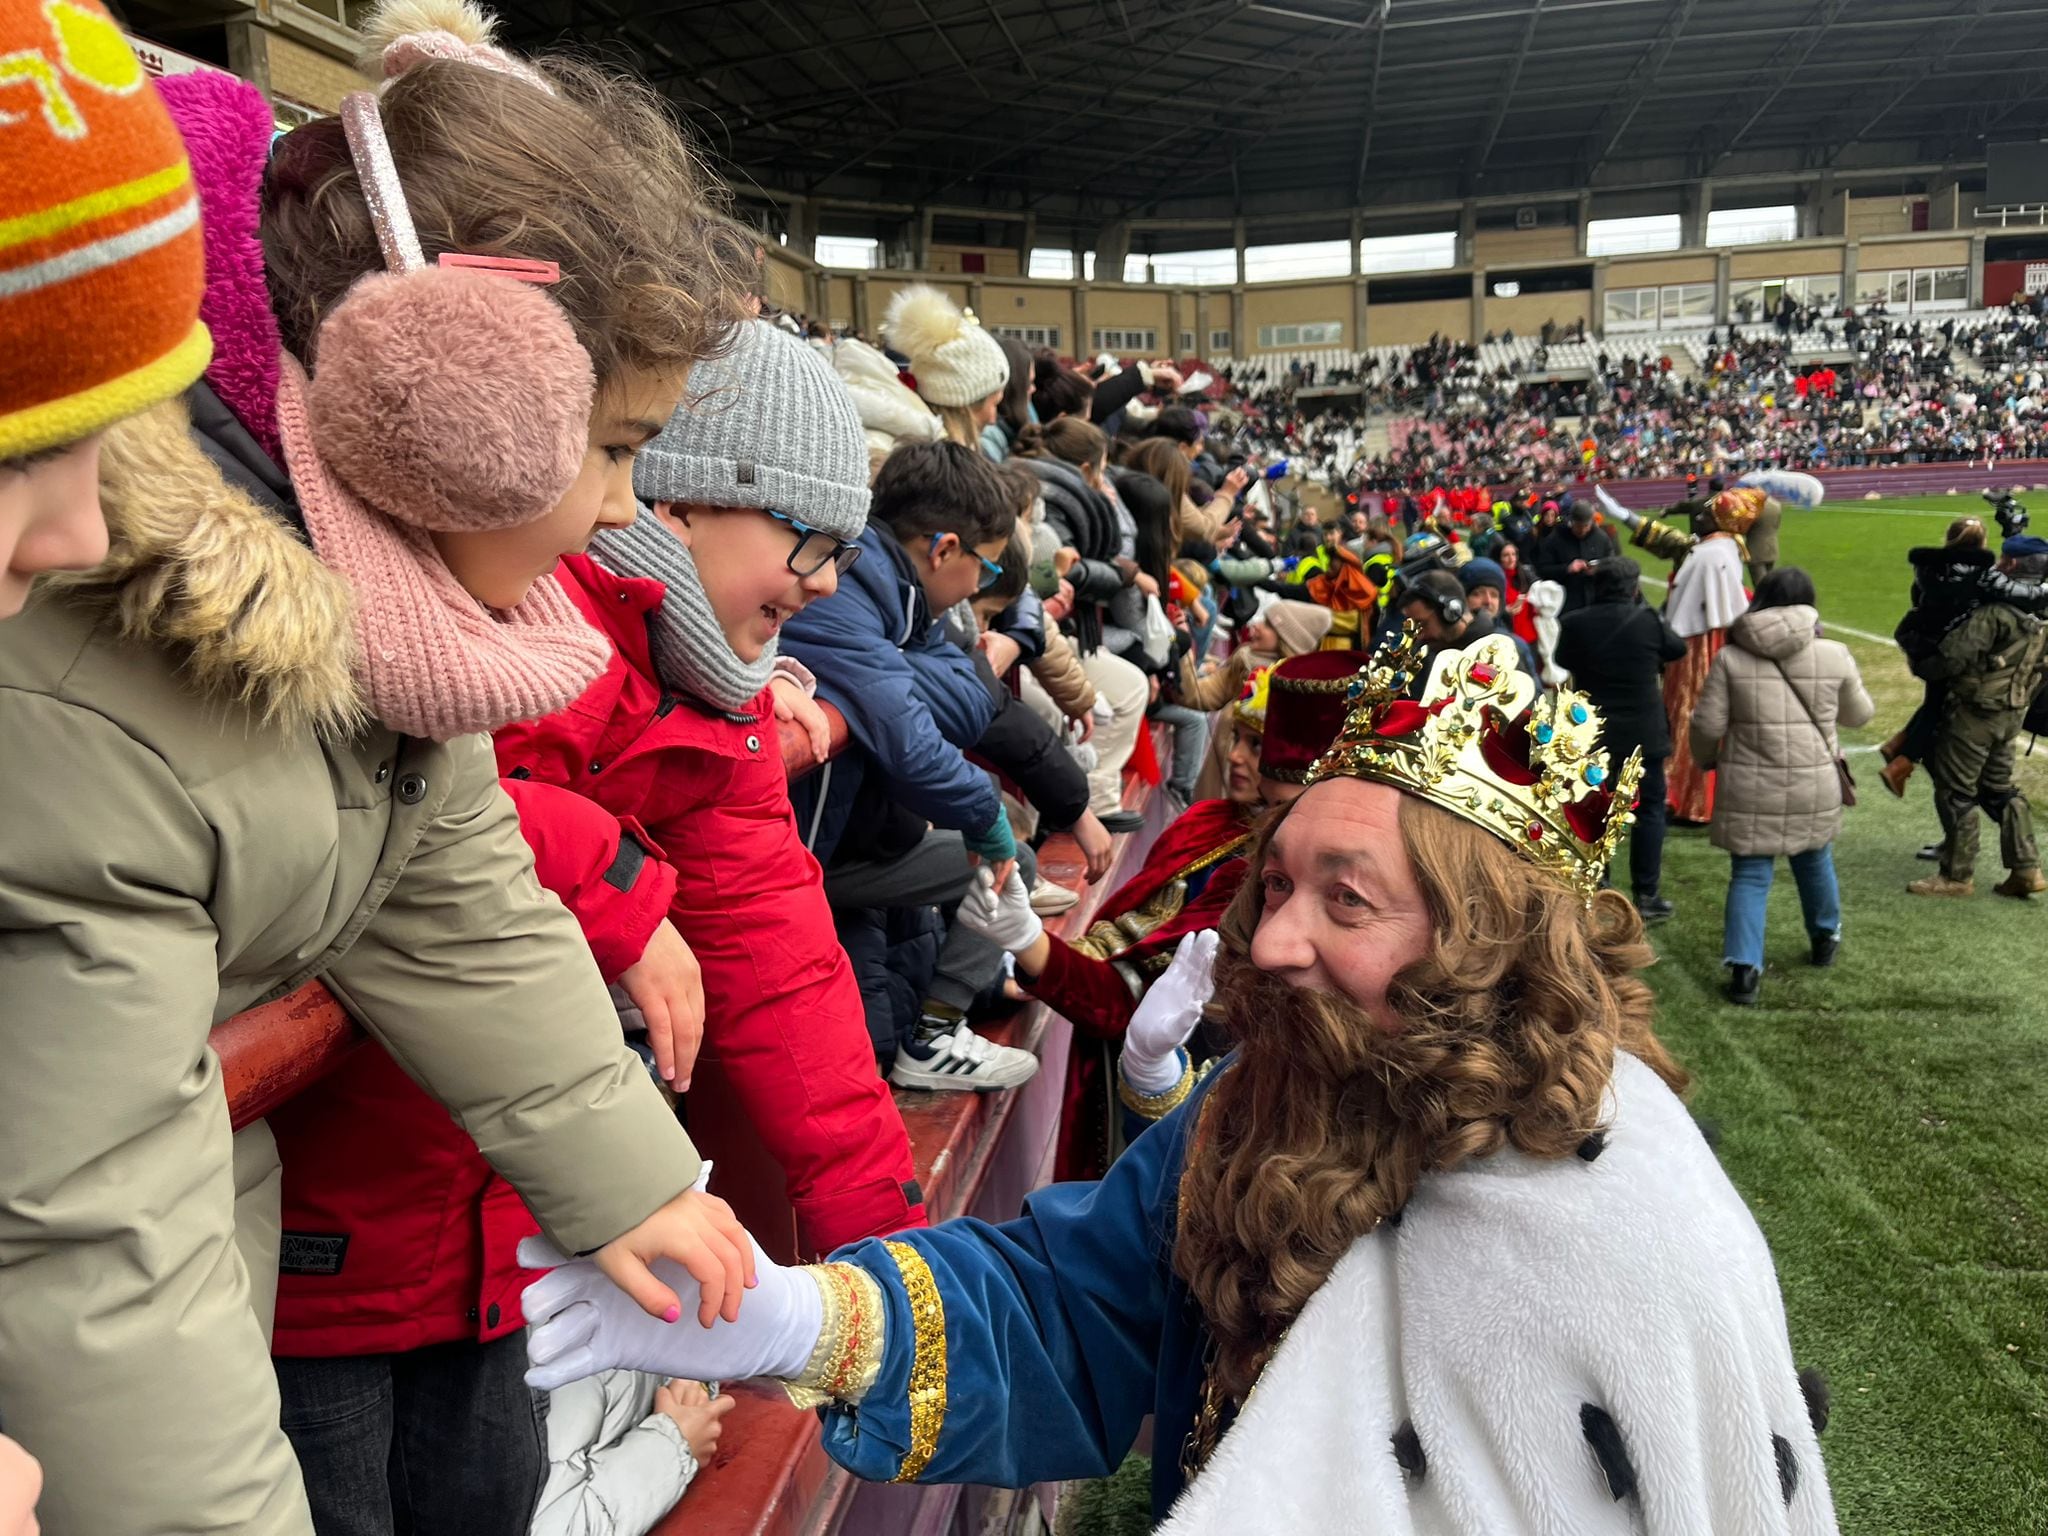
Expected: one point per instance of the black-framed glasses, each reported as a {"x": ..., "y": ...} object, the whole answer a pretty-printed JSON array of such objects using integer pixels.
[
  {"x": 815, "y": 548},
  {"x": 991, "y": 571}
]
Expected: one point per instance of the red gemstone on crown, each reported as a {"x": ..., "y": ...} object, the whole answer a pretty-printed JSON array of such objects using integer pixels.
[
  {"x": 1482, "y": 673},
  {"x": 1535, "y": 831}
]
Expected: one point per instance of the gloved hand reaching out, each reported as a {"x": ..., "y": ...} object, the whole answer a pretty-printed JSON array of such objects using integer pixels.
[
  {"x": 1167, "y": 1016},
  {"x": 579, "y": 1323},
  {"x": 1002, "y": 916}
]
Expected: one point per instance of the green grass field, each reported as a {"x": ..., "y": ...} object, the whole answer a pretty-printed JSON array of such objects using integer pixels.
[{"x": 1888, "y": 1119}]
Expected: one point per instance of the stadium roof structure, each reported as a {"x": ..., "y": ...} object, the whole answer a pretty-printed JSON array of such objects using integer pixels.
[{"x": 1081, "y": 112}]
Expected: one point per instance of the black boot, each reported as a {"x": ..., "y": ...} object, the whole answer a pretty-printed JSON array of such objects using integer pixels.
[
  {"x": 1825, "y": 947},
  {"x": 1655, "y": 908},
  {"x": 1744, "y": 983}
]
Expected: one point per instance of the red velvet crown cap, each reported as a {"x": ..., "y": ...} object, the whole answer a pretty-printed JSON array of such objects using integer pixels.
[{"x": 1307, "y": 697}]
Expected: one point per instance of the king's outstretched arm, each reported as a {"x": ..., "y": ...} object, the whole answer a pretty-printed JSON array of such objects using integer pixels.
[{"x": 969, "y": 1352}]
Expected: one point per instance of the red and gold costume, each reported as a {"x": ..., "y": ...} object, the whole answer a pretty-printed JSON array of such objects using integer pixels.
[{"x": 1186, "y": 881}]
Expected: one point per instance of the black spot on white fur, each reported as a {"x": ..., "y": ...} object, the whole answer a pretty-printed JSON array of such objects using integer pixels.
[
  {"x": 1788, "y": 1468},
  {"x": 1604, "y": 1435},
  {"x": 1593, "y": 1146},
  {"x": 1814, "y": 1388},
  {"x": 1408, "y": 1450}
]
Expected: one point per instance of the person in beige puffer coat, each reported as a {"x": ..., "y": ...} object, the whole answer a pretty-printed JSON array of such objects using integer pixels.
[
  {"x": 1767, "y": 720},
  {"x": 199, "y": 819}
]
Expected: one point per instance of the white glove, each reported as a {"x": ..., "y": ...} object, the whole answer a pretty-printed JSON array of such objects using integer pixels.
[
  {"x": 1002, "y": 917},
  {"x": 579, "y": 1323},
  {"x": 1167, "y": 1016}
]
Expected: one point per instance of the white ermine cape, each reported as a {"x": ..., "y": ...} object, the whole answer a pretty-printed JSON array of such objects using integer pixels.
[{"x": 1584, "y": 1346}]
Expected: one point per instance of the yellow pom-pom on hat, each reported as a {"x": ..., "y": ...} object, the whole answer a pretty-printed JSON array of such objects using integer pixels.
[{"x": 101, "y": 269}]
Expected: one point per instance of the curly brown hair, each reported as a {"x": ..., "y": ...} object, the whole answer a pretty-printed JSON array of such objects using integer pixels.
[
  {"x": 1320, "y": 1128},
  {"x": 596, "y": 177}
]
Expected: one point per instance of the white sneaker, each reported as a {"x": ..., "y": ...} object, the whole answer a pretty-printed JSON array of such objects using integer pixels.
[
  {"x": 1049, "y": 898},
  {"x": 959, "y": 1062}
]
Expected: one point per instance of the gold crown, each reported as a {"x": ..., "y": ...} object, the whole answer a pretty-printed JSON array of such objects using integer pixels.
[{"x": 1482, "y": 745}]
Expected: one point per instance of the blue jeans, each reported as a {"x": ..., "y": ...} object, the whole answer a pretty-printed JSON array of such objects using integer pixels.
[{"x": 1749, "y": 893}]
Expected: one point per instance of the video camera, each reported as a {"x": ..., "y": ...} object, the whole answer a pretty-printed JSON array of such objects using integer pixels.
[{"x": 2007, "y": 511}]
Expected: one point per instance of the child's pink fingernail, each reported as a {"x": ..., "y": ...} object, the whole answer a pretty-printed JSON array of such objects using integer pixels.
[
  {"x": 674, "y": 1314},
  {"x": 753, "y": 1282}
]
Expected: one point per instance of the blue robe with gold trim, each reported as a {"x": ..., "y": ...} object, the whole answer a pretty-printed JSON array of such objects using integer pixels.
[{"x": 1062, "y": 1329}]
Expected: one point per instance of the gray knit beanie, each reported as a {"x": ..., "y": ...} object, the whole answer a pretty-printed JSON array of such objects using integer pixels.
[{"x": 767, "y": 425}]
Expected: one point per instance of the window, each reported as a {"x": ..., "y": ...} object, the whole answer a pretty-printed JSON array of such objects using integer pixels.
[
  {"x": 1219, "y": 342},
  {"x": 1137, "y": 268},
  {"x": 1315, "y": 333},
  {"x": 1187, "y": 343},
  {"x": 1310, "y": 258},
  {"x": 1752, "y": 226},
  {"x": 1616, "y": 237},
  {"x": 1687, "y": 304},
  {"x": 848, "y": 251},
  {"x": 1756, "y": 299},
  {"x": 1051, "y": 261},
  {"x": 1507, "y": 290},
  {"x": 1194, "y": 267},
  {"x": 1408, "y": 253},
  {"x": 1918, "y": 290},
  {"x": 1127, "y": 341},
  {"x": 1031, "y": 335},
  {"x": 1673, "y": 305}
]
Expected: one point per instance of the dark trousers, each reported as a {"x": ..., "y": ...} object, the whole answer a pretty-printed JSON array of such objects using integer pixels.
[
  {"x": 443, "y": 1441},
  {"x": 1646, "y": 837}
]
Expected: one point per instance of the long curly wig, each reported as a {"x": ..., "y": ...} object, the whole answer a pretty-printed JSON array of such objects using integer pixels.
[{"x": 1321, "y": 1127}]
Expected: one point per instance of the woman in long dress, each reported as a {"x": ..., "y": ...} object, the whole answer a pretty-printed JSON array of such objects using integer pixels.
[{"x": 1707, "y": 596}]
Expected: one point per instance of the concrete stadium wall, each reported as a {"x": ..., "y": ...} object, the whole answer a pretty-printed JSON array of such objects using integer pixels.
[
  {"x": 1029, "y": 304},
  {"x": 1295, "y": 304},
  {"x": 1403, "y": 325},
  {"x": 1525, "y": 313},
  {"x": 1508, "y": 247}
]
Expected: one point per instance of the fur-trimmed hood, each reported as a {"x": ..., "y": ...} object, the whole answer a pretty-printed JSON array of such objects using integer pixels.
[{"x": 198, "y": 566}]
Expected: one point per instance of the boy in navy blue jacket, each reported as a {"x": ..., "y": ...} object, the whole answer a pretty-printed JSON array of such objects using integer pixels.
[{"x": 913, "y": 700}]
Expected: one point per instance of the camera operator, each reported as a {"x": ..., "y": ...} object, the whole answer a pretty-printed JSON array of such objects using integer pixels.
[
  {"x": 1436, "y": 604},
  {"x": 1616, "y": 649}
]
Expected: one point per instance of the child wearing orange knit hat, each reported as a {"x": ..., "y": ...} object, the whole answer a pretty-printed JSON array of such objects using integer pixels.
[{"x": 100, "y": 274}]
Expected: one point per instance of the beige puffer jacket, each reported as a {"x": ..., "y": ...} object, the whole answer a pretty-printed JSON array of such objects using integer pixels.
[
  {"x": 1776, "y": 790},
  {"x": 198, "y": 820},
  {"x": 1059, "y": 673}
]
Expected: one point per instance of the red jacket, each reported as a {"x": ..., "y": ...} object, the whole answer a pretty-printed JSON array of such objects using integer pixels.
[
  {"x": 784, "y": 1013},
  {"x": 397, "y": 1234}
]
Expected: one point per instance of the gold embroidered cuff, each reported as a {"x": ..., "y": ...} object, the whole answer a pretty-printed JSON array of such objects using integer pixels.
[
  {"x": 1156, "y": 1106},
  {"x": 848, "y": 1355},
  {"x": 927, "y": 1388}
]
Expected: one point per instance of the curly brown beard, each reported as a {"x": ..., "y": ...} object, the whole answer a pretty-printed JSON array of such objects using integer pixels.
[{"x": 1319, "y": 1129}]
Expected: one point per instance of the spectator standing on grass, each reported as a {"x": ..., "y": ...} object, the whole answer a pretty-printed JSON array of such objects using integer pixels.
[
  {"x": 1616, "y": 649},
  {"x": 1705, "y": 598},
  {"x": 1994, "y": 663},
  {"x": 1566, "y": 554},
  {"x": 1766, "y": 722}
]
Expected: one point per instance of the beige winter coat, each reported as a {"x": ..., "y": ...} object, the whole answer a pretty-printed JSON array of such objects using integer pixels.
[
  {"x": 1059, "y": 673},
  {"x": 196, "y": 821},
  {"x": 1777, "y": 790}
]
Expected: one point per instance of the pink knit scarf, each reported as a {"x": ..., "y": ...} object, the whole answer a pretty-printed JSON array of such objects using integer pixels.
[{"x": 433, "y": 661}]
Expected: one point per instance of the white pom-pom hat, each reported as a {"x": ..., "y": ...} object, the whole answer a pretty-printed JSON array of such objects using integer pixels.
[{"x": 954, "y": 361}]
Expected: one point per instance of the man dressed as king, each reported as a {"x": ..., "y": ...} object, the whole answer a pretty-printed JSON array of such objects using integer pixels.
[{"x": 1435, "y": 1248}]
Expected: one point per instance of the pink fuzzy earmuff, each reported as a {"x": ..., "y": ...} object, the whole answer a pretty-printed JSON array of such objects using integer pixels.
[{"x": 446, "y": 397}]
